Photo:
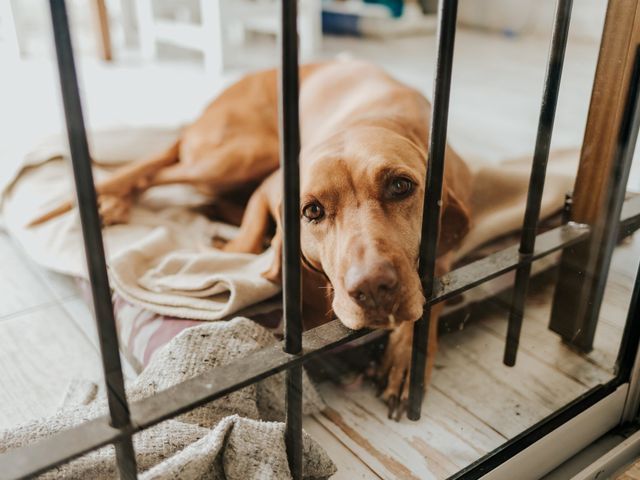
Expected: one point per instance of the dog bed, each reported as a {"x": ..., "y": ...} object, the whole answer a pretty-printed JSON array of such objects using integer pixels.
[
  {"x": 167, "y": 279},
  {"x": 165, "y": 272}
]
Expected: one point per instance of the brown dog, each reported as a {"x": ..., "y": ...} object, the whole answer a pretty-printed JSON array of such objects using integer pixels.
[{"x": 363, "y": 162}]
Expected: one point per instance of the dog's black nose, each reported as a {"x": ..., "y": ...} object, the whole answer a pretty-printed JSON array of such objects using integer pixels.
[{"x": 372, "y": 286}]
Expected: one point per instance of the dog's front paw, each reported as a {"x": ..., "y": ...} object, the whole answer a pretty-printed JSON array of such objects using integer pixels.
[
  {"x": 392, "y": 374},
  {"x": 219, "y": 242},
  {"x": 114, "y": 209}
]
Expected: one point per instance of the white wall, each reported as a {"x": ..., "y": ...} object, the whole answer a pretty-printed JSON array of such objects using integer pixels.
[{"x": 533, "y": 16}]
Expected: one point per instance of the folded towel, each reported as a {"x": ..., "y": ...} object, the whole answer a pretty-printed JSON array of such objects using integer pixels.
[{"x": 172, "y": 271}]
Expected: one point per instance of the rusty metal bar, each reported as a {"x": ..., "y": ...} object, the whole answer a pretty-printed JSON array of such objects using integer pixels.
[
  {"x": 92, "y": 235},
  {"x": 538, "y": 174},
  {"x": 447, "y": 14},
  {"x": 291, "y": 268}
]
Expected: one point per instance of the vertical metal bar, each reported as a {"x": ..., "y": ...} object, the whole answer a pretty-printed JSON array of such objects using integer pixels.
[
  {"x": 628, "y": 361},
  {"x": 291, "y": 281},
  {"x": 448, "y": 10},
  {"x": 92, "y": 235},
  {"x": 538, "y": 173},
  {"x": 625, "y": 152}
]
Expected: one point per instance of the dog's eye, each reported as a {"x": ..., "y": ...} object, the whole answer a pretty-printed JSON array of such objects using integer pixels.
[
  {"x": 400, "y": 187},
  {"x": 313, "y": 212}
]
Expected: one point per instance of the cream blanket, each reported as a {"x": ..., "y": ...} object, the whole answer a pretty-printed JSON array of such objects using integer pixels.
[
  {"x": 225, "y": 439},
  {"x": 163, "y": 259}
]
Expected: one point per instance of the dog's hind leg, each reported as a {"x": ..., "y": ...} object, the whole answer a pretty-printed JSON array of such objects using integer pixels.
[
  {"x": 116, "y": 193},
  {"x": 136, "y": 176}
]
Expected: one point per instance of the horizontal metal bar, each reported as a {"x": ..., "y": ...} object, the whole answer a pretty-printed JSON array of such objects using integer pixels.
[
  {"x": 213, "y": 384},
  {"x": 629, "y": 220},
  {"x": 492, "y": 266},
  {"x": 499, "y": 263}
]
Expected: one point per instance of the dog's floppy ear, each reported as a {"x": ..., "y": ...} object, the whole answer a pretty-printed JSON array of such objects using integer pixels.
[{"x": 455, "y": 220}]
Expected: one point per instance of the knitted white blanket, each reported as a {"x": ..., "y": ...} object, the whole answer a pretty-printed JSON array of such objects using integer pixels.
[{"x": 236, "y": 437}]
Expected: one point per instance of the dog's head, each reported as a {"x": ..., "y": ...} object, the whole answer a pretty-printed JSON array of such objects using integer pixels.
[{"x": 361, "y": 212}]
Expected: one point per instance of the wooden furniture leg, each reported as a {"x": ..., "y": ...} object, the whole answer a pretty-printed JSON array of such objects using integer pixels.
[
  {"x": 103, "y": 38},
  {"x": 576, "y": 279}
]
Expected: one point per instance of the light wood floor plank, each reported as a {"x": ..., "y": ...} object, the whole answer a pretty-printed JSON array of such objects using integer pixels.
[
  {"x": 610, "y": 326},
  {"x": 82, "y": 316},
  {"x": 350, "y": 467},
  {"x": 364, "y": 436},
  {"x": 40, "y": 353},
  {"x": 21, "y": 288},
  {"x": 446, "y": 439},
  {"x": 509, "y": 399},
  {"x": 538, "y": 341}
]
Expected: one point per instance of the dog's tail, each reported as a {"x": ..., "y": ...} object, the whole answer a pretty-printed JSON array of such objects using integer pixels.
[
  {"x": 56, "y": 212},
  {"x": 125, "y": 180}
]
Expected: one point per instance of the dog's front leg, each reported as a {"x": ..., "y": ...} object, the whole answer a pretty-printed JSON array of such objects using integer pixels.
[
  {"x": 394, "y": 371},
  {"x": 264, "y": 204}
]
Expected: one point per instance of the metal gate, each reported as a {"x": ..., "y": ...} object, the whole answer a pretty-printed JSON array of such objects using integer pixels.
[{"x": 126, "y": 419}]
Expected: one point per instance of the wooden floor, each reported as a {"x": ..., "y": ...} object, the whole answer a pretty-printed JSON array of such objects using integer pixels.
[
  {"x": 473, "y": 404},
  {"x": 630, "y": 473},
  {"x": 47, "y": 338}
]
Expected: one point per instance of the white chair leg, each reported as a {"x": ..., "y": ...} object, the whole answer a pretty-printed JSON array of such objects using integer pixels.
[
  {"x": 128, "y": 9},
  {"x": 213, "y": 36},
  {"x": 9, "y": 33},
  {"x": 146, "y": 31},
  {"x": 310, "y": 28}
]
